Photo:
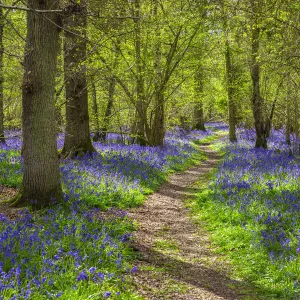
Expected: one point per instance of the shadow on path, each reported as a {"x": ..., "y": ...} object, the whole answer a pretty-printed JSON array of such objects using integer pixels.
[{"x": 197, "y": 275}]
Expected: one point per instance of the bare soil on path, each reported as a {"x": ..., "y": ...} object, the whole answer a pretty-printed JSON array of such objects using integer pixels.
[{"x": 175, "y": 256}]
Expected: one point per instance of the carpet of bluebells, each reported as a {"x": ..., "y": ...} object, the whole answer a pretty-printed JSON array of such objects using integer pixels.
[
  {"x": 120, "y": 176},
  {"x": 253, "y": 207},
  {"x": 75, "y": 250}
]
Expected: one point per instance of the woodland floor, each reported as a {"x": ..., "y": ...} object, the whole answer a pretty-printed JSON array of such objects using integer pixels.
[{"x": 175, "y": 257}]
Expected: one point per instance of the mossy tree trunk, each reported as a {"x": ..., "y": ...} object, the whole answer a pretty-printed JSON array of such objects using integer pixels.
[
  {"x": 77, "y": 139},
  {"x": 41, "y": 180}
]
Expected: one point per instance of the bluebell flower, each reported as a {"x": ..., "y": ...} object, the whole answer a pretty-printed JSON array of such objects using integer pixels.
[{"x": 82, "y": 276}]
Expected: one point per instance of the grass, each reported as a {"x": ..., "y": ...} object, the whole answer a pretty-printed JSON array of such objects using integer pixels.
[
  {"x": 166, "y": 245},
  {"x": 250, "y": 206}
]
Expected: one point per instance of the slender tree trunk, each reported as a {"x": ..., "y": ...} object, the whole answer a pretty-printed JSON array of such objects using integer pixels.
[
  {"x": 230, "y": 94},
  {"x": 288, "y": 115},
  {"x": 140, "y": 89},
  {"x": 96, "y": 136},
  {"x": 111, "y": 95},
  {"x": 199, "y": 113},
  {"x": 2, "y": 138},
  {"x": 158, "y": 129},
  {"x": 257, "y": 101},
  {"x": 158, "y": 126},
  {"x": 41, "y": 179},
  {"x": 296, "y": 130},
  {"x": 109, "y": 107},
  {"x": 288, "y": 125},
  {"x": 229, "y": 79},
  {"x": 199, "y": 117},
  {"x": 77, "y": 139}
]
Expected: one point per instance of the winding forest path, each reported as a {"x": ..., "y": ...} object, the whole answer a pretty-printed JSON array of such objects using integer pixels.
[{"x": 176, "y": 260}]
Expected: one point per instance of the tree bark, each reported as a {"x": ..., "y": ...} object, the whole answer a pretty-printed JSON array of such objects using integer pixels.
[
  {"x": 199, "y": 113},
  {"x": 257, "y": 101},
  {"x": 229, "y": 77},
  {"x": 77, "y": 139},
  {"x": 2, "y": 138},
  {"x": 288, "y": 125},
  {"x": 140, "y": 89},
  {"x": 109, "y": 107},
  {"x": 41, "y": 180},
  {"x": 96, "y": 136},
  {"x": 230, "y": 94},
  {"x": 158, "y": 126}
]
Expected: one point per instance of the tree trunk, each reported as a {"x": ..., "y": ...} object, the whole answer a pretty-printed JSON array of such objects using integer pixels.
[
  {"x": 288, "y": 115},
  {"x": 96, "y": 136},
  {"x": 230, "y": 94},
  {"x": 229, "y": 79},
  {"x": 199, "y": 113},
  {"x": 158, "y": 126},
  {"x": 288, "y": 125},
  {"x": 257, "y": 101},
  {"x": 77, "y": 139},
  {"x": 111, "y": 95},
  {"x": 140, "y": 89},
  {"x": 41, "y": 180},
  {"x": 109, "y": 107},
  {"x": 2, "y": 138},
  {"x": 199, "y": 117}
]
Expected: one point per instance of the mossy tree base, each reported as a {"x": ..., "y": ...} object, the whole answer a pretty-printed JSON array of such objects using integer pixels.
[
  {"x": 78, "y": 151},
  {"x": 36, "y": 200}
]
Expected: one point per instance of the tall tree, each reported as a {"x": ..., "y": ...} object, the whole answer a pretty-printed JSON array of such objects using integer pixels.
[
  {"x": 95, "y": 110},
  {"x": 140, "y": 83},
  {"x": 111, "y": 94},
  {"x": 158, "y": 127},
  {"x": 41, "y": 180},
  {"x": 101, "y": 133},
  {"x": 230, "y": 84},
  {"x": 77, "y": 139},
  {"x": 199, "y": 89},
  {"x": 257, "y": 100}
]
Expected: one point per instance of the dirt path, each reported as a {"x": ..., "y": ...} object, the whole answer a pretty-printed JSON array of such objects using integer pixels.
[{"x": 176, "y": 260}]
